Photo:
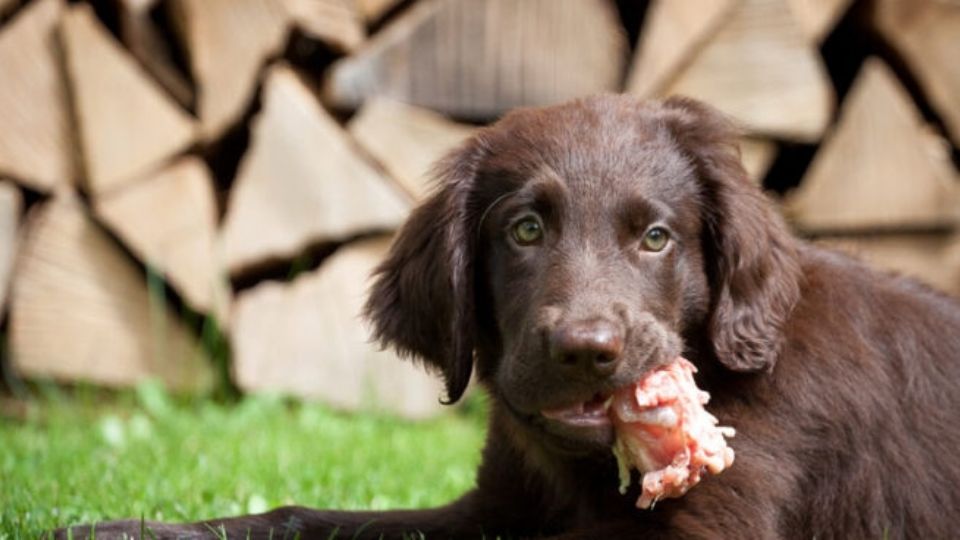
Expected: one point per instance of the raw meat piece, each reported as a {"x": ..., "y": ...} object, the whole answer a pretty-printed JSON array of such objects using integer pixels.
[{"x": 664, "y": 432}]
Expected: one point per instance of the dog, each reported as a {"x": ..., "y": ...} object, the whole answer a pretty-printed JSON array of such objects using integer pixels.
[{"x": 566, "y": 252}]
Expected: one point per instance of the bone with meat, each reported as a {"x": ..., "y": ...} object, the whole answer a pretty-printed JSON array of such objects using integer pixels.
[{"x": 664, "y": 432}]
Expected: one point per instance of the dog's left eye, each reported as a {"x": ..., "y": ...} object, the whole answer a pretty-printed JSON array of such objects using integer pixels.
[
  {"x": 656, "y": 239},
  {"x": 527, "y": 231}
]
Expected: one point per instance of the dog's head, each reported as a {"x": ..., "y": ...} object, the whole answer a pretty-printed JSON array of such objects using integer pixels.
[{"x": 570, "y": 249}]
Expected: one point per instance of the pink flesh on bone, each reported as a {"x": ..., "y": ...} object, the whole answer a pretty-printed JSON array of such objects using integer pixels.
[{"x": 664, "y": 432}]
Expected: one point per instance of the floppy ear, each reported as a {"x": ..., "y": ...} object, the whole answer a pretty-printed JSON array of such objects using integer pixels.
[
  {"x": 751, "y": 256},
  {"x": 421, "y": 301}
]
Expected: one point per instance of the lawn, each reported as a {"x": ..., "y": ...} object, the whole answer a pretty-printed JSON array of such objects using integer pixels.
[{"x": 83, "y": 457}]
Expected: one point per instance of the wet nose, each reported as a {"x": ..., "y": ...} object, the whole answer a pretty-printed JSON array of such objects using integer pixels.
[{"x": 594, "y": 345}]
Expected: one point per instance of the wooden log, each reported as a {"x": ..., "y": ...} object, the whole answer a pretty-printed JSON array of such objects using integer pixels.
[
  {"x": 179, "y": 241},
  {"x": 7, "y": 5},
  {"x": 145, "y": 42},
  {"x": 11, "y": 205},
  {"x": 818, "y": 17},
  {"x": 228, "y": 42},
  {"x": 757, "y": 156},
  {"x": 479, "y": 59},
  {"x": 335, "y": 22},
  {"x": 374, "y": 10},
  {"x": 127, "y": 124},
  {"x": 925, "y": 33},
  {"x": 301, "y": 182},
  {"x": 760, "y": 69},
  {"x": 36, "y": 142},
  {"x": 406, "y": 140},
  {"x": 673, "y": 33},
  {"x": 931, "y": 258},
  {"x": 81, "y": 311},
  {"x": 879, "y": 169},
  {"x": 307, "y": 339}
]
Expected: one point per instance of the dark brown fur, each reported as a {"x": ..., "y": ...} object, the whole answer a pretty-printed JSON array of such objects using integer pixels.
[{"x": 843, "y": 383}]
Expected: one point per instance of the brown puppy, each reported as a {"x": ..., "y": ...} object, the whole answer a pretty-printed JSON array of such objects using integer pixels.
[{"x": 567, "y": 251}]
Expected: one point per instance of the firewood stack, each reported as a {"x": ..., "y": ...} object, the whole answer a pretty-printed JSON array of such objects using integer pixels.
[{"x": 172, "y": 170}]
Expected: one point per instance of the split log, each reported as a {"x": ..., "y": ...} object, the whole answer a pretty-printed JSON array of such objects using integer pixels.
[
  {"x": 335, "y": 22},
  {"x": 169, "y": 221},
  {"x": 228, "y": 42},
  {"x": 757, "y": 156},
  {"x": 11, "y": 204},
  {"x": 879, "y": 169},
  {"x": 406, "y": 140},
  {"x": 479, "y": 59},
  {"x": 374, "y": 10},
  {"x": 925, "y": 32},
  {"x": 7, "y": 5},
  {"x": 145, "y": 42},
  {"x": 127, "y": 124},
  {"x": 36, "y": 142},
  {"x": 818, "y": 17},
  {"x": 301, "y": 182},
  {"x": 760, "y": 69},
  {"x": 932, "y": 258},
  {"x": 81, "y": 310},
  {"x": 674, "y": 31},
  {"x": 306, "y": 338}
]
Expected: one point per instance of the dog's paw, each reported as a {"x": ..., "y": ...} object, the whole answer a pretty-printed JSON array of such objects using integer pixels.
[{"x": 133, "y": 529}]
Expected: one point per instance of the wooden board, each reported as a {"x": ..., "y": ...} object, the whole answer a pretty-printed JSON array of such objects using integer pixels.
[
  {"x": 479, "y": 59},
  {"x": 879, "y": 169},
  {"x": 80, "y": 309},
  {"x": 7, "y": 5},
  {"x": 228, "y": 42},
  {"x": 36, "y": 142},
  {"x": 925, "y": 33},
  {"x": 307, "y": 339},
  {"x": 673, "y": 32},
  {"x": 11, "y": 204},
  {"x": 406, "y": 140},
  {"x": 301, "y": 182},
  {"x": 374, "y": 10},
  {"x": 757, "y": 156},
  {"x": 169, "y": 221},
  {"x": 818, "y": 17},
  {"x": 932, "y": 258},
  {"x": 335, "y": 22},
  {"x": 145, "y": 42},
  {"x": 127, "y": 124},
  {"x": 760, "y": 69}
]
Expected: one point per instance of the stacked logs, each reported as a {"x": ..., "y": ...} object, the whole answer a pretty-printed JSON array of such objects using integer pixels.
[{"x": 171, "y": 169}]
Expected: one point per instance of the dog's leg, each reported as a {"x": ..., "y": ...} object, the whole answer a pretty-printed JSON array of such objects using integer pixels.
[
  {"x": 467, "y": 517},
  {"x": 456, "y": 520}
]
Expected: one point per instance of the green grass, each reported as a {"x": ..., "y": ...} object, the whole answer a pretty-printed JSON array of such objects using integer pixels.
[{"x": 74, "y": 460}]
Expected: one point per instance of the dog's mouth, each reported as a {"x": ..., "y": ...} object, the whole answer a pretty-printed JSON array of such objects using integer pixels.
[
  {"x": 581, "y": 426},
  {"x": 590, "y": 413},
  {"x": 577, "y": 419}
]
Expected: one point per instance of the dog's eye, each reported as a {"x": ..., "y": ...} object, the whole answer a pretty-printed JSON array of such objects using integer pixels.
[
  {"x": 656, "y": 239},
  {"x": 527, "y": 231}
]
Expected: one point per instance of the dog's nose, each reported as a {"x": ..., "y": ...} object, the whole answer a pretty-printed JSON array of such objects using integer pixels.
[{"x": 594, "y": 344}]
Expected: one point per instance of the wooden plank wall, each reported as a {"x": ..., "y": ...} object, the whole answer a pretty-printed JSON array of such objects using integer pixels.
[{"x": 171, "y": 169}]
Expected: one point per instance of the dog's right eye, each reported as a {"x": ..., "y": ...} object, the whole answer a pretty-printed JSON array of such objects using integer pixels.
[
  {"x": 527, "y": 231},
  {"x": 656, "y": 239}
]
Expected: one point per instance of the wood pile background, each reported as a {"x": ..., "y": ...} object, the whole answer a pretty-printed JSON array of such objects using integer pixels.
[{"x": 188, "y": 185}]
